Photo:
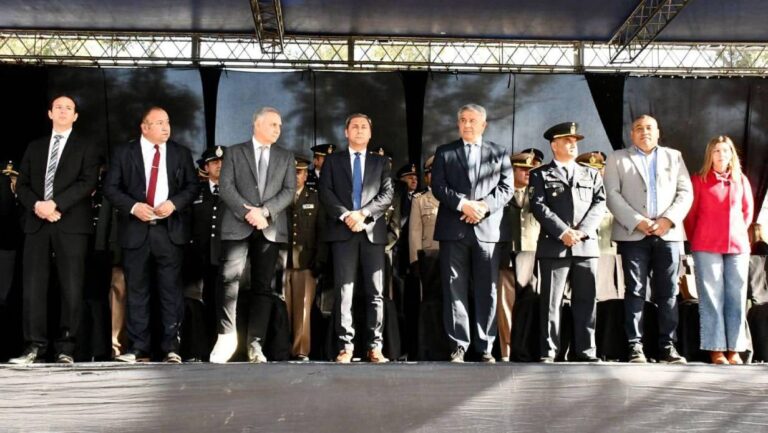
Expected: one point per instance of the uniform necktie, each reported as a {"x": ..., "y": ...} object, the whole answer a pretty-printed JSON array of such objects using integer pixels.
[
  {"x": 153, "y": 177},
  {"x": 262, "y": 171},
  {"x": 357, "y": 183},
  {"x": 519, "y": 197},
  {"x": 215, "y": 194},
  {"x": 50, "y": 173}
]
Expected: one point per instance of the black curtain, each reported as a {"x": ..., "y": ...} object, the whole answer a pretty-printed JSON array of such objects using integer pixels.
[{"x": 608, "y": 93}]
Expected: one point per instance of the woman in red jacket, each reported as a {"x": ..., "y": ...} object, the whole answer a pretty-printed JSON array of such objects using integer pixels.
[{"x": 717, "y": 230}]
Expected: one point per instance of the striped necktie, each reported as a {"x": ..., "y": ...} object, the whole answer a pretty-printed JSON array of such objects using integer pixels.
[{"x": 50, "y": 173}]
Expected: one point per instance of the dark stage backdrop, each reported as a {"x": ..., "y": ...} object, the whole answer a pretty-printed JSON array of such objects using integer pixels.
[
  {"x": 520, "y": 108},
  {"x": 111, "y": 102},
  {"x": 692, "y": 111},
  {"x": 413, "y": 112},
  {"x": 313, "y": 107}
]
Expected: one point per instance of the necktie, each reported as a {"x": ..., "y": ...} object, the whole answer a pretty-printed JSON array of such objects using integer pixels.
[
  {"x": 357, "y": 183},
  {"x": 567, "y": 174},
  {"x": 519, "y": 197},
  {"x": 215, "y": 194},
  {"x": 262, "y": 171},
  {"x": 50, "y": 173},
  {"x": 153, "y": 177},
  {"x": 472, "y": 158}
]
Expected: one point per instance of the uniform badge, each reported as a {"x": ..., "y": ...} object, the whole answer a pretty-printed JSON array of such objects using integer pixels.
[{"x": 219, "y": 152}]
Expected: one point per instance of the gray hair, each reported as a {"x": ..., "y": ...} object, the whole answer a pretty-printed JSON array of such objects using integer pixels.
[
  {"x": 472, "y": 107},
  {"x": 262, "y": 111}
]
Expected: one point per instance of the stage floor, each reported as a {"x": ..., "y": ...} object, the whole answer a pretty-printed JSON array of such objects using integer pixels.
[{"x": 397, "y": 397}]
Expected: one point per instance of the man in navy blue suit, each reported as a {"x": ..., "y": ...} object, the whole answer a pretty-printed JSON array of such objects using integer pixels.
[{"x": 472, "y": 179}]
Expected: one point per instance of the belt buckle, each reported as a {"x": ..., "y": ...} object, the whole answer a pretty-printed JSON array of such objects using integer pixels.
[{"x": 153, "y": 222}]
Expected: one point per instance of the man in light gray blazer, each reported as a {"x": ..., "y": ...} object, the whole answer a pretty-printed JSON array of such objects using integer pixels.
[
  {"x": 649, "y": 193},
  {"x": 257, "y": 184}
]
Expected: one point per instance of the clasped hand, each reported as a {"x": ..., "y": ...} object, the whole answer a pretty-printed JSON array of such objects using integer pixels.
[
  {"x": 146, "y": 213},
  {"x": 47, "y": 210},
  {"x": 355, "y": 221},
  {"x": 658, "y": 227},
  {"x": 472, "y": 212},
  {"x": 255, "y": 217},
  {"x": 572, "y": 237}
]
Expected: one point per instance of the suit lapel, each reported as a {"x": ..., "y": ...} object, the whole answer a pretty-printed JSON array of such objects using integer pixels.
[
  {"x": 461, "y": 155},
  {"x": 346, "y": 167},
  {"x": 171, "y": 162},
  {"x": 66, "y": 154},
  {"x": 250, "y": 157},
  {"x": 137, "y": 158},
  {"x": 274, "y": 161},
  {"x": 369, "y": 178},
  {"x": 638, "y": 161},
  {"x": 555, "y": 169},
  {"x": 486, "y": 163}
]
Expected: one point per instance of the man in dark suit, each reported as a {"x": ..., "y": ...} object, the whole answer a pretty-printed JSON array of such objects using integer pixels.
[
  {"x": 472, "y": 179},
  {"x": 356, "y": 191},
  {"x": 568, "y": 200},
  {"x": 258, "y": 182},
  {"x": 152, "y": 183},
  {"x": 58, "y": 173}
]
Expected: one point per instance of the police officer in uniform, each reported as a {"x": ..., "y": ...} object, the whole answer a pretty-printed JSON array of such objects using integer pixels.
[
  {"x": 306, "y": 258},
  {"x": 202, "y": 261},
  {"x": 517, "y": 271},
  {"x": 568, "y": 200},
  {"x": 610, "y": 277},
  {"x": 319, "y": 153},
  {"x": 425, "y": 264}
]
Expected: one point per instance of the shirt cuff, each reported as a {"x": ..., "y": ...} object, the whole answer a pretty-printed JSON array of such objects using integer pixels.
[
  {"x": 344, "y": 215},
  {"x": 462, "y": 202},
  {"x": 134, "y": 208}
]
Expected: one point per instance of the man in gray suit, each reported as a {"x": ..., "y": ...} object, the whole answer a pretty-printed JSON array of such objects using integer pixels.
[
  {"x": 472, "y": 179},
  {"x": 649, "y": 193},
  {"x": 568, "y": 200},
  {"x": 257, "y": 184},
  {"x": 356, "y": 191}
]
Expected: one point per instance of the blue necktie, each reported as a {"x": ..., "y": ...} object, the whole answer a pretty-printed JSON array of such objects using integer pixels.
[{"x": 357, "y": 183}]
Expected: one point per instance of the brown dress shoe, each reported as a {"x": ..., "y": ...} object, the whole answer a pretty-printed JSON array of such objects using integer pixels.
[
  {"x": 733, "y": 358},
  {"x": 717, "y": 357},
  {"x": 375, "y": 356},
  {"x": 344, "y": 357}
]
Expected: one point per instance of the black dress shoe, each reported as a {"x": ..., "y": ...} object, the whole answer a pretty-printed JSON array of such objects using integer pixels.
[
  {"x": 133, "y": 356},
  {"x": 669, "y": 355},
  {"x": 28, "y": 357},
  {"x": 458, "y": 355},
  {"x": 63, "y": 358}
]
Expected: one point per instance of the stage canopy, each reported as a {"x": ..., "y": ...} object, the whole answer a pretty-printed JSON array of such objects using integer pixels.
[{"x": 586, "y": 20}]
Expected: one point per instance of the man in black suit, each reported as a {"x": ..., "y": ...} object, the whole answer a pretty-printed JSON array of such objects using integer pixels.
[
  {"x": 568, "y": 200},
  {"x": 472, "y": 179},
  {"x": 258, "y": 182},
  {"x": 58, "y": 173},
  {"x": 356, "y": 191},
  {"x": 152, "y": 183}
]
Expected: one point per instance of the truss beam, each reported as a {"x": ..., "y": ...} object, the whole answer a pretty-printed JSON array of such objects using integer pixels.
[
  {"x": 268, "y": 20},
  {"x": 370, "y": 53},
  {"x": 642, "y": 27}
]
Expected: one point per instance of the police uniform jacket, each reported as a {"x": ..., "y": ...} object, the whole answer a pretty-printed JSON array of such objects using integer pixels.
[
  {"x": 525, "y": 229},
  {"x": 559, "y": 204},
  {"x": 207, "y": 210},
  {"x": 305, "y": 217},
  {"x": 422, "y": 224}
]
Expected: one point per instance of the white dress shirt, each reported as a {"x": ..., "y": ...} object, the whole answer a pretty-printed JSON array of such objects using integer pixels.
[
  {"x": 62, "y": 143},
  {"x": 479, "y": 150}
]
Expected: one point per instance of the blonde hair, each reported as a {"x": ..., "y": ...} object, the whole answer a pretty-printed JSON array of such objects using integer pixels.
[{"x": 734, "y": 166}]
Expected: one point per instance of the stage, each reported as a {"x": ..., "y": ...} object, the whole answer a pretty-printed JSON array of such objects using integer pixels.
[{"x": 398, "y": 397}]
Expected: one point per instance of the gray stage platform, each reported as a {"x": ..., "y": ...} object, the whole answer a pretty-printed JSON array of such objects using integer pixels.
[{"x": 424, "y": 397}]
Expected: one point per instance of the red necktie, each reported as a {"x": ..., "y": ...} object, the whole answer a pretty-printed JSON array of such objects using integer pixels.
[{"x": 153, "y": 177}]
